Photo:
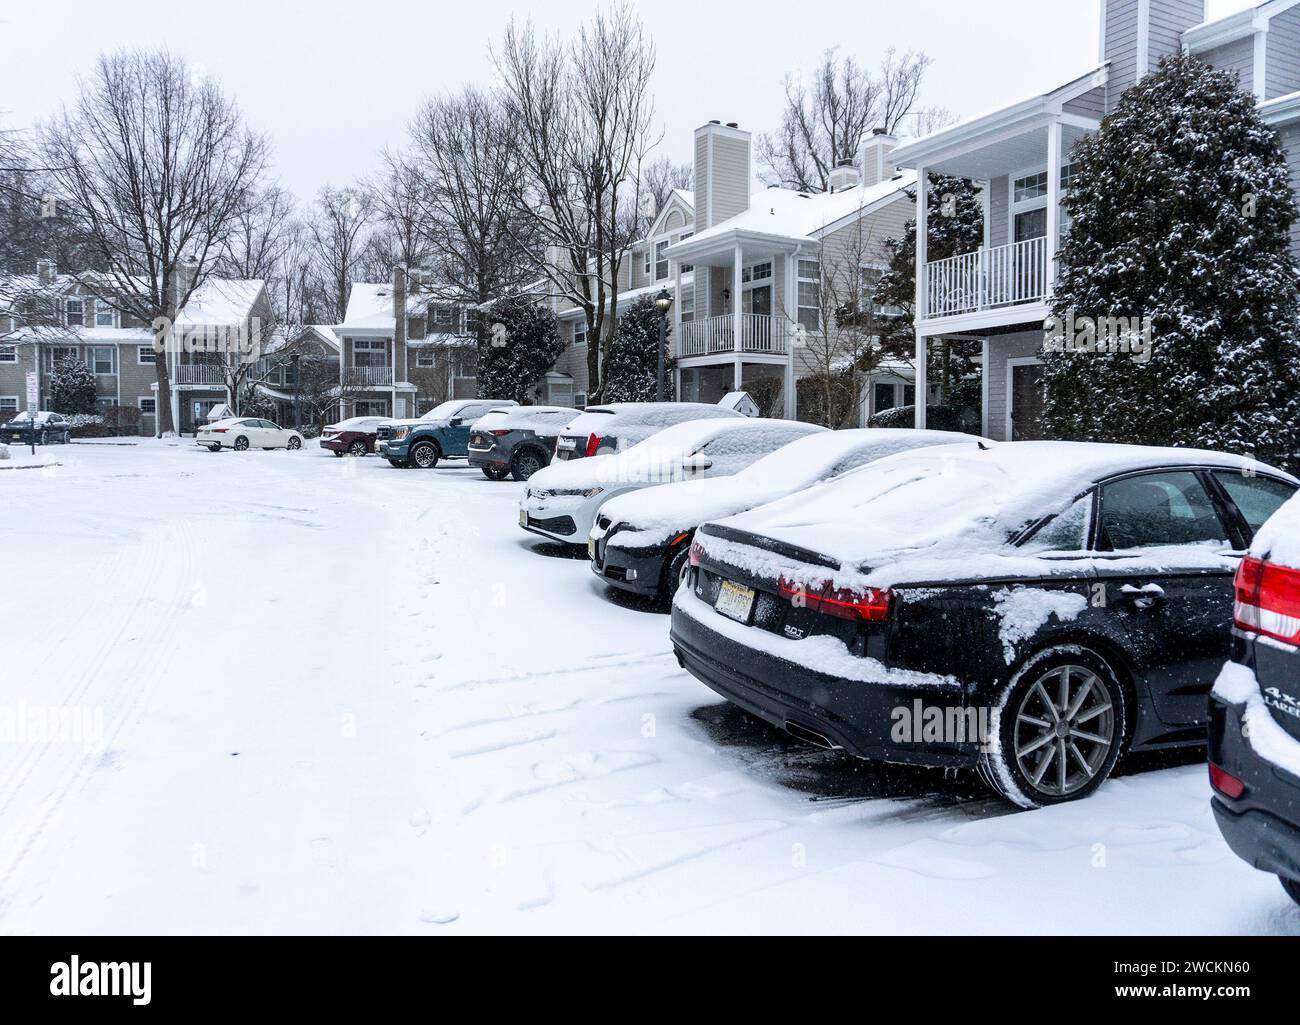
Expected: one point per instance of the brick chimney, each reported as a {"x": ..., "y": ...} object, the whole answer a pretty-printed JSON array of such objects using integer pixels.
[
  {"x": 845, "y": 176},
  {"x": 1135, "y": 34},
  {"x": 724, "y": 173},
  {"x": 877, "y": 166}
]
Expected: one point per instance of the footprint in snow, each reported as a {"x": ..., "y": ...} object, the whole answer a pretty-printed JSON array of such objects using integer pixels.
[{"x": 439, "y": 917}]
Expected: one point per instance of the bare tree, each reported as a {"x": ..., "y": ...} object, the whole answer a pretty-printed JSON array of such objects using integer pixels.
[
  {"x": 399, "y": 238},
  {"x": 469, "y": 172},
  {"x": 339, "y": 230},
  {"x": 583, "y": 113},
  {"x": 827, "y": 113},
  {"x": 659, "y": 179},
  {"x": 154, "y": 164}
]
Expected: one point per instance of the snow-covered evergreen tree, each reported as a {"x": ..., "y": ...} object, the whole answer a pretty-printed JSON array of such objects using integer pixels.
[
  {"x": 72, "y": 388},
  {"x": 520, "y": 342},
  {"x": 634, "y": 356},
  {"x": 1181, "y": 211}
]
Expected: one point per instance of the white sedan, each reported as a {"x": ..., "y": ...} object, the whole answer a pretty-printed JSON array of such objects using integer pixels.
[{"x": 241, "y": 434}]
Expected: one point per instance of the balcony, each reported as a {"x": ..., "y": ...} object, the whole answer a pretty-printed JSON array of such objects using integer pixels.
[
  {"x": 759, "y": 334},
  {"x": 368, "y": 377},
  {"x": 991, "y": 279},
  {"x": 199, "y": 373}
]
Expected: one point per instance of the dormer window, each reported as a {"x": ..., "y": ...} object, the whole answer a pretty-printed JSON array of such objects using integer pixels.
[
  {"x": 74, "y": 312},
  {"x": 105, "y": 315},
  {"x": 661, "y": 261}
]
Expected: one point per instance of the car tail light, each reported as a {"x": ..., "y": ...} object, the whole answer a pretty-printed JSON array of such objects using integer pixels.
[
  {"x": 1227, "y": 784},
  {"x": 870, "y": 606},
  {"x": 221, "y": 430},
  {"x": 593, "y": 445},
  {"x": 697, "y": 555},
  {"x": 500, "y": 434},
  {"x": 1268, "y": 600}
]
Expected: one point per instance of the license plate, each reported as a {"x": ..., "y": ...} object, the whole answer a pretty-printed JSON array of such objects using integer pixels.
[
  {"x": 568, "y": 444},
  {"x": 523, "y": 518},
  {"x": 736, "y": 601}
]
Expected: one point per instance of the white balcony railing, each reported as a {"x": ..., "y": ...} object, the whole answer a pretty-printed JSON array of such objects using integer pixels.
[
  {"x": 986, "y": 280},
  {"x": 199, "y": 373},
  {"x": 368, "y": 377},
  {"x": 712, "y": 335}
]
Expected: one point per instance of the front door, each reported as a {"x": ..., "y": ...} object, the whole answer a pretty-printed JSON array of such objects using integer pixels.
[
  {"x": 1167, "y": 565},
  {"x": 1025, "y": 402}
]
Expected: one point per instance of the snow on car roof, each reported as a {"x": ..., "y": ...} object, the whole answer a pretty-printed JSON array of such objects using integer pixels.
[
  {"x": 540, "y": 418},
  {"x": 652, "y": 414},
  {"x": 951, "y": 501},
  {"x": 1279, "y": 540}
]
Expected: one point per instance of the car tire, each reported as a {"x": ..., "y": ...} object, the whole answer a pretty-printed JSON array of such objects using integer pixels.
[
  {"x": 338, "y": 455},
  {"x": 425, "y": 456},
  {"x": 496, "y": 473},
  {"x": 676, "y": 571},
  {"x": 1038, "y": 754},
  {"x": 1292, "y": 887},
  {"x": 399, "y": 464},
  {"x": 527, "y": 462},
  {"x": 295, "y": 444},
  {"x": 241, "y": 444},
  {"x": 214, "y": 448},
  {"x": 357, "y": 450}
]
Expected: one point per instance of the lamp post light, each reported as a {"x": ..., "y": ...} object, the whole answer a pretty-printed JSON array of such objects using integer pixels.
[
  {"x": 297, "y": 390},
  {"x": 664, "y": 304}
]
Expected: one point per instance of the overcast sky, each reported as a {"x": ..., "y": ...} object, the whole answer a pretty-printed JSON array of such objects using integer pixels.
[{"x": 334, "y": 81}]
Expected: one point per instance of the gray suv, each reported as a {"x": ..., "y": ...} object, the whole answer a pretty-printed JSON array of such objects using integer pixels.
[{"x": 518, "y": 442}]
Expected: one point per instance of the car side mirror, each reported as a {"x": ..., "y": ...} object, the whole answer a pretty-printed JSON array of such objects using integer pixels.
[
  {"x": 697, "y": 463},
  {"x": 457, "y": 422}
]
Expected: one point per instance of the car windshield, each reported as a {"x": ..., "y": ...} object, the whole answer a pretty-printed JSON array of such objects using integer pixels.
[{"x": 444, "y": 412}]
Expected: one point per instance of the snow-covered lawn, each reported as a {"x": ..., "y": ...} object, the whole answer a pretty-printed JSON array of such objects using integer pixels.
[{"x": 302, "y": 694}]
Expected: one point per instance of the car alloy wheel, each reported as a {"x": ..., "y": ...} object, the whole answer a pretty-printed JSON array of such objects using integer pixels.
[
  {"x": 496, "y": 473},
  {"x": 1292, "y": 887},
  {"x": 525, "y": 465},
  {"x": 241, "y": 444},
  {"x": 357, "y": 449},
  {"x": 295, "y": 444},
  {"x": 1065, "y": 732},
  {"x": 425, "y": 457}
]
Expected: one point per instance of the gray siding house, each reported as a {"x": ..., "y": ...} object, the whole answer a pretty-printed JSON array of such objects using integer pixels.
[{"x": 1020, "y": 155}]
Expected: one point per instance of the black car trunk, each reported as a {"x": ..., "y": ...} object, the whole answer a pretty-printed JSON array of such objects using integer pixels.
[{"x": 1278, "y": 672}]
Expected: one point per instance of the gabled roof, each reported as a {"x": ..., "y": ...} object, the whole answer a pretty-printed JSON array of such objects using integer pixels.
[{"x": 1233, "y": 27}]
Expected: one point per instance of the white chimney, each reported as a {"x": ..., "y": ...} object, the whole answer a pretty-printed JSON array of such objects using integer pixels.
[
  {"x": 877, "y": 166},
  {"x": 46, "y": 271},
  {"x": 724, "y": 173},
  {"x": 845, "y": 176}
]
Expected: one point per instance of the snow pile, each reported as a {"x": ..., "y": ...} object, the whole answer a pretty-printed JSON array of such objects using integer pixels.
[
  {"x": 1237, "y": 685},
  {"x": 660, "y": 513},
  {"x": 1026, "y": 611},
  {"x": 1279, "y": 540},
  {"x": 820, "y": 654},
  {"x": 927, "y": 515}
]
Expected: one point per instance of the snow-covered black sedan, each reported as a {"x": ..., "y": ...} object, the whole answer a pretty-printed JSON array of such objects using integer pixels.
[
  {"x": 1032, "y": 611},
  {"x": 1255, "y": 710},
  {"x": 48, "y": 429}
]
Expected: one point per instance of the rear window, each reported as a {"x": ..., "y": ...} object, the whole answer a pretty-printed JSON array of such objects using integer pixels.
[{"x": 1257, "y": 498}]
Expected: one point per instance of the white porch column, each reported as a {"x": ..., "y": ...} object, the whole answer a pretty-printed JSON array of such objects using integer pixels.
[
  {"x": 922, "y": 249},
  {"x": 738, "y": 317},
  {"x": 792, "y": 364},
  {"x": 1053, "y": 205}
]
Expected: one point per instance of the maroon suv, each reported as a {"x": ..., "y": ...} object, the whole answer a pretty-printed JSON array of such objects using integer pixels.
[{"x": 355, "y": 437}]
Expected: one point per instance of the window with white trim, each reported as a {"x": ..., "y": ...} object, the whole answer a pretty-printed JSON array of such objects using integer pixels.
[
  {"x": 56, "y": 354},
  {"x": 8, "y": 354},
  {"x": 810, "y": 295},
  {"x": 370, "y": 409},
  {"x": 8, "y": 404},
  {"x": 105, "y": 315},
  {"x": 102, "y": 360},
  {"x": 661, "y": 261},
  {"x": 579, "y": 334},
  {"x": 145, "y": 356},
  {"x": 688, "y": 305},
  {"x": 758, "y": 272},
  {"x": 148, "y": 406},
  {"x": 369, "y": 353},
  {"x": 1029, "y": 188},
  {"x": 426, "y": 359},
  {"x": 74, "y": 312}
]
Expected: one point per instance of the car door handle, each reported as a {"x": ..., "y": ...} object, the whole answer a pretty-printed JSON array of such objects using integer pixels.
[{"x": 1143, "y": 597}]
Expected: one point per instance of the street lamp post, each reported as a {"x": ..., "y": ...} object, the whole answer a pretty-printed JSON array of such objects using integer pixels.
[
  {"x": 295, "y": 359},
  {"x": 664, "y": 304}
]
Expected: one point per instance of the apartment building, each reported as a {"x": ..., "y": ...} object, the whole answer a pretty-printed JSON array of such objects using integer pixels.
[
  {"x": 50, "y": 316},
  {"x": 1020, "y": 154}
]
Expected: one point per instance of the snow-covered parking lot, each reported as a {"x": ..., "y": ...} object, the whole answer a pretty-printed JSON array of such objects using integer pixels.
[{"x": 280, "y": 692}]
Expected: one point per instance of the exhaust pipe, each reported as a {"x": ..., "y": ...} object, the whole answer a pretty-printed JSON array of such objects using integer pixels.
[{"x": 809, "y": 736}]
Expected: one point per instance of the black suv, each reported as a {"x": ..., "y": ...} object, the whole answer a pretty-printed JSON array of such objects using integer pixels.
[{"x": 1255, "y": 709}]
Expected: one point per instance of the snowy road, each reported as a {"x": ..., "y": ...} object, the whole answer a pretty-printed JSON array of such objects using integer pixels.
[{"x": 301, "y": 694}]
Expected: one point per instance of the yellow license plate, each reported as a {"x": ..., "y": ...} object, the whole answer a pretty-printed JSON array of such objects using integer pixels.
[
  {"x": 736, "y": 601},
  {"x": 523, "y": 518}
]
